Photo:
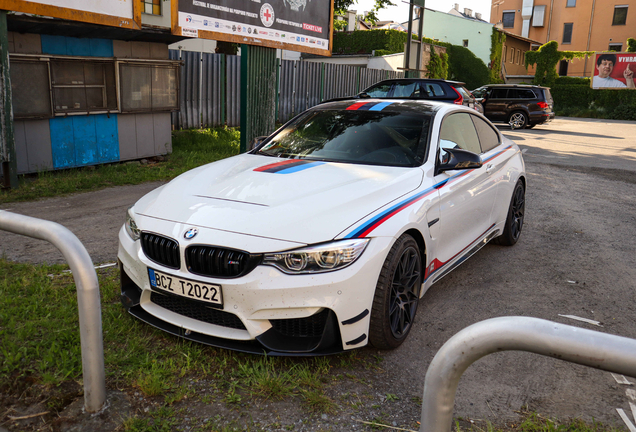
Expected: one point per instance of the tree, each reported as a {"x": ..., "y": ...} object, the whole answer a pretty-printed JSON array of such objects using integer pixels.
[{"x": 341, "y": 6}]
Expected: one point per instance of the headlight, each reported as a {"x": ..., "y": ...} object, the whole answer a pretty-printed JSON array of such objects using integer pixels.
[
  {"x": 317, "y": 259},
  {"x": 131, "y": 226}
]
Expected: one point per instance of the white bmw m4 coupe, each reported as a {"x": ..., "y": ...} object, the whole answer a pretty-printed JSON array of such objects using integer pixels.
[{"x": 324, "y": 237}]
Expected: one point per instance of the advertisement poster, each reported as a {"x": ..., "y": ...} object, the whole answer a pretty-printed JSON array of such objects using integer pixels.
[
  {"x": 119, "y": 13},
  {"x": 614, "y": 70},
  {"x": 299, "y": 25}
]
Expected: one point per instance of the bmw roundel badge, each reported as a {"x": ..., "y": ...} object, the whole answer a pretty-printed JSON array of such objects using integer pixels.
[{"x": 190, "y": 233}]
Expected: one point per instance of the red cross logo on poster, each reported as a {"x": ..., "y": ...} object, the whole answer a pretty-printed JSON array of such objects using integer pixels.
[{"x": 267, "y": 15}]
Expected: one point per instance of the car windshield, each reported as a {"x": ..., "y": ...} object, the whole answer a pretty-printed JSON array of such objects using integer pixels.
[{"x": 367, "y": 137}]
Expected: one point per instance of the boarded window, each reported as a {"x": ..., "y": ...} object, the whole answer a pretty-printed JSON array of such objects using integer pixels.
[
  {"x": 571, "y": 3},
  {"x": 30, "y": 89},
  {"x": 149, "y": 87},
  {"x": 620, "y": 15},
  {"x": 616, "y": 47},
  {"x": 538, "y": 16},
  {"x": 567, "y": 33}
]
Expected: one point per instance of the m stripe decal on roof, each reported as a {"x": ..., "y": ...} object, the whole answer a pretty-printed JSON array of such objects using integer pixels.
[{"x": 368, "y": 106}]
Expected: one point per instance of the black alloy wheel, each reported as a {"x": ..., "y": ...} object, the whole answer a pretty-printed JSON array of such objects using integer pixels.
[
  {"x": 514, "y": 220},
  {"x": 397, "y": 295}
]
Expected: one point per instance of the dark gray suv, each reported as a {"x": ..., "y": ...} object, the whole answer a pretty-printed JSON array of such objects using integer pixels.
[{"x": 521, "y": 106}]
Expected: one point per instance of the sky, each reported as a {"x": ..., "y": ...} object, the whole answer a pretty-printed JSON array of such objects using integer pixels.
[{"x": 400, "y": 12}]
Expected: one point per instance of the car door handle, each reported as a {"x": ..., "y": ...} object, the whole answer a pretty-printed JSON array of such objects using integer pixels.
[{"x": 489, "y": 168}]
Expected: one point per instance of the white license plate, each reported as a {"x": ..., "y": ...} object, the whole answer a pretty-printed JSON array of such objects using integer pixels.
[{"x": 186, "y": 288}]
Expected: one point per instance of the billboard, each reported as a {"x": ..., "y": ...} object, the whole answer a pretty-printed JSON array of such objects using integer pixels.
[
  {"x": 118, "y": 13},
  {"x": 614, "y": 70},
  {"x": 296, "y": 25}
]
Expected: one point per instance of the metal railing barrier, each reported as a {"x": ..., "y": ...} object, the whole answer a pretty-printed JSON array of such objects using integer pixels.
[
  {"x": 586, "y": 347},
  {"x": 88, "y": 302}
]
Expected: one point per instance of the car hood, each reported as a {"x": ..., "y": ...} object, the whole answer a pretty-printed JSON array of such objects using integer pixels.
[{"x": 299, "y": 201}]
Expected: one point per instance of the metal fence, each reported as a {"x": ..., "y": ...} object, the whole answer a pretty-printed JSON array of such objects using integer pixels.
[{"x": 211, "y": 87}]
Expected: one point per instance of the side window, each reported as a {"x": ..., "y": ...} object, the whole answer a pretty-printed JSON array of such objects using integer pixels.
[
  {"x": 379, "y": 91},
  {"x": 458, "y": 131},
  {"x": 434, "y": 89},
  {"x": 526, "y": 94},
  {"x": 488, "y": 137},
  {"x": 404, "y": 90},
  {"x": 498, "y": 93}
]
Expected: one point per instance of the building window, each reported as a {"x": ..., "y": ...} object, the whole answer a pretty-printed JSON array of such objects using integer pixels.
[
  {"x": 518, "y": 56},
  {"x": 465, "y": 43},
  {"x": 620, "y": 15},
  {"x": 563, "y": 68},
  {"x": 512, "y": 55},
  {"x": 570, "y": 3},
  {"x": 83, "y": 86},
  {"x": 508, "y": 19},
  {"x": 152, "y": 7},
  {"x": 147, "y": 87},
  {"x": 616, "y": 47},
  {"x": 503, "y": 55},
  {"x": 567, "y": 33}
]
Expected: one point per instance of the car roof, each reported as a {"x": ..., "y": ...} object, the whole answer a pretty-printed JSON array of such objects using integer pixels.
[
  {"x": 410, "y": 80},
  {"x": 421, "y": 106},
  {"x": 515, "y": 85}
]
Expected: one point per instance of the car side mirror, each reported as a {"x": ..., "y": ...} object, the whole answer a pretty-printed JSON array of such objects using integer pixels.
[
  {"x": 457, "y": 159},
  {"x": 363, "y": 95}
]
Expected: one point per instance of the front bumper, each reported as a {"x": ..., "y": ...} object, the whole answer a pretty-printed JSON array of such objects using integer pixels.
[{"x": 264, "y": 311}]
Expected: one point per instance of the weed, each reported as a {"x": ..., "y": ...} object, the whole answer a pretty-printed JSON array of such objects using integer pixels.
[
  {"x": 318, "y": 402},
  {"x": 390, "y": 397}
]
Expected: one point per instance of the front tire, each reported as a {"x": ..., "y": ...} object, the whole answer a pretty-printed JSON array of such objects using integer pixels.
[
  {"x": 514, "y": 220},
  {"x": 397, "y": 294},
  {"x": 518, "y": 120}
]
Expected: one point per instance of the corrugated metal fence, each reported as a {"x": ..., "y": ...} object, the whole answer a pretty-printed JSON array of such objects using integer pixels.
[{"x": 211, "y": 87}]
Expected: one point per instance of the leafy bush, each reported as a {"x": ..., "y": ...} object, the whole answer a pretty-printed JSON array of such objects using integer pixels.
[
  {"x": 366, "y": 41},
  {"x": 467, "y": 67},
  {"x": 574, "y": 97},
  {"x": 497, "y": 39},
  {"x": 437, "y": 65},
  {"x": 631, "y": 45}
]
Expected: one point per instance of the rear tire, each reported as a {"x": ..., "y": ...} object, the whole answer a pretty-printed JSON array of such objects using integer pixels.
[
  {"x": 514, "y": 220},
  {"x": 518, "y": 120},
  {"x": 397, "y": 294}
]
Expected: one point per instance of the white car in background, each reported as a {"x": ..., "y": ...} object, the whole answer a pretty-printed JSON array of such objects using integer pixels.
[{"x": 325, "y": 237}]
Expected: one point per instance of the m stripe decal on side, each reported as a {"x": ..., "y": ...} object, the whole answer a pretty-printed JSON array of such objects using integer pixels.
[{"x": 378, "y": 220}]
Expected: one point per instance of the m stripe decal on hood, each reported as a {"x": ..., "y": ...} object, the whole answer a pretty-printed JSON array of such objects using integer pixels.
[{"x": 288, "y": 166}]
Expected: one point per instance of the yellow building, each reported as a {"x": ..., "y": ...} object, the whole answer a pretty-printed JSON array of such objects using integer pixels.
[{"x": 577, "y": 25}]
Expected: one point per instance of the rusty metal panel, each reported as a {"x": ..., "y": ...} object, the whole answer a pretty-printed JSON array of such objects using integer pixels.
[
  {"x": 341, "y": 81},
  {"x": 286, "y": 92},
  {"x": 307, "y": 85},
  {"x": 175, "y": 117},
  {"x": 211, "y": 93},
  {"x": 191, "y": 118},
  {"x": 233, "y": 90},
  {"x": 258, "y": 92}
]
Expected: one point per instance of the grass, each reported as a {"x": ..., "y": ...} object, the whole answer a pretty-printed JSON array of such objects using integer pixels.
[
  {"x": 190, "y": 149},
  {"x": 40, "y": 362}
]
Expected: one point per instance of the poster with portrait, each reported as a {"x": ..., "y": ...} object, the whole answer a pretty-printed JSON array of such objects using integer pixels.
[
  {"x": 614, "y": 70},
  {"x": 296, "y": 25}
]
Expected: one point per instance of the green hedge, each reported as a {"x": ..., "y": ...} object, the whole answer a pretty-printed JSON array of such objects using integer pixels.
[
  {"x": 467, "y": 67},
  {"x": 366, "y": 41},
  {"x": 574, "y": 97}
]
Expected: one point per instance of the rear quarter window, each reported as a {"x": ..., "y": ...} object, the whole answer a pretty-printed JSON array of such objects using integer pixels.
[{"x": 488, "y": 137}]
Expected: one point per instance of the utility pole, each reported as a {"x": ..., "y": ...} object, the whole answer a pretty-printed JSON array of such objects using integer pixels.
[
  {"x": 7, "y": 139},
  {"x": 416, "y": 71}
]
